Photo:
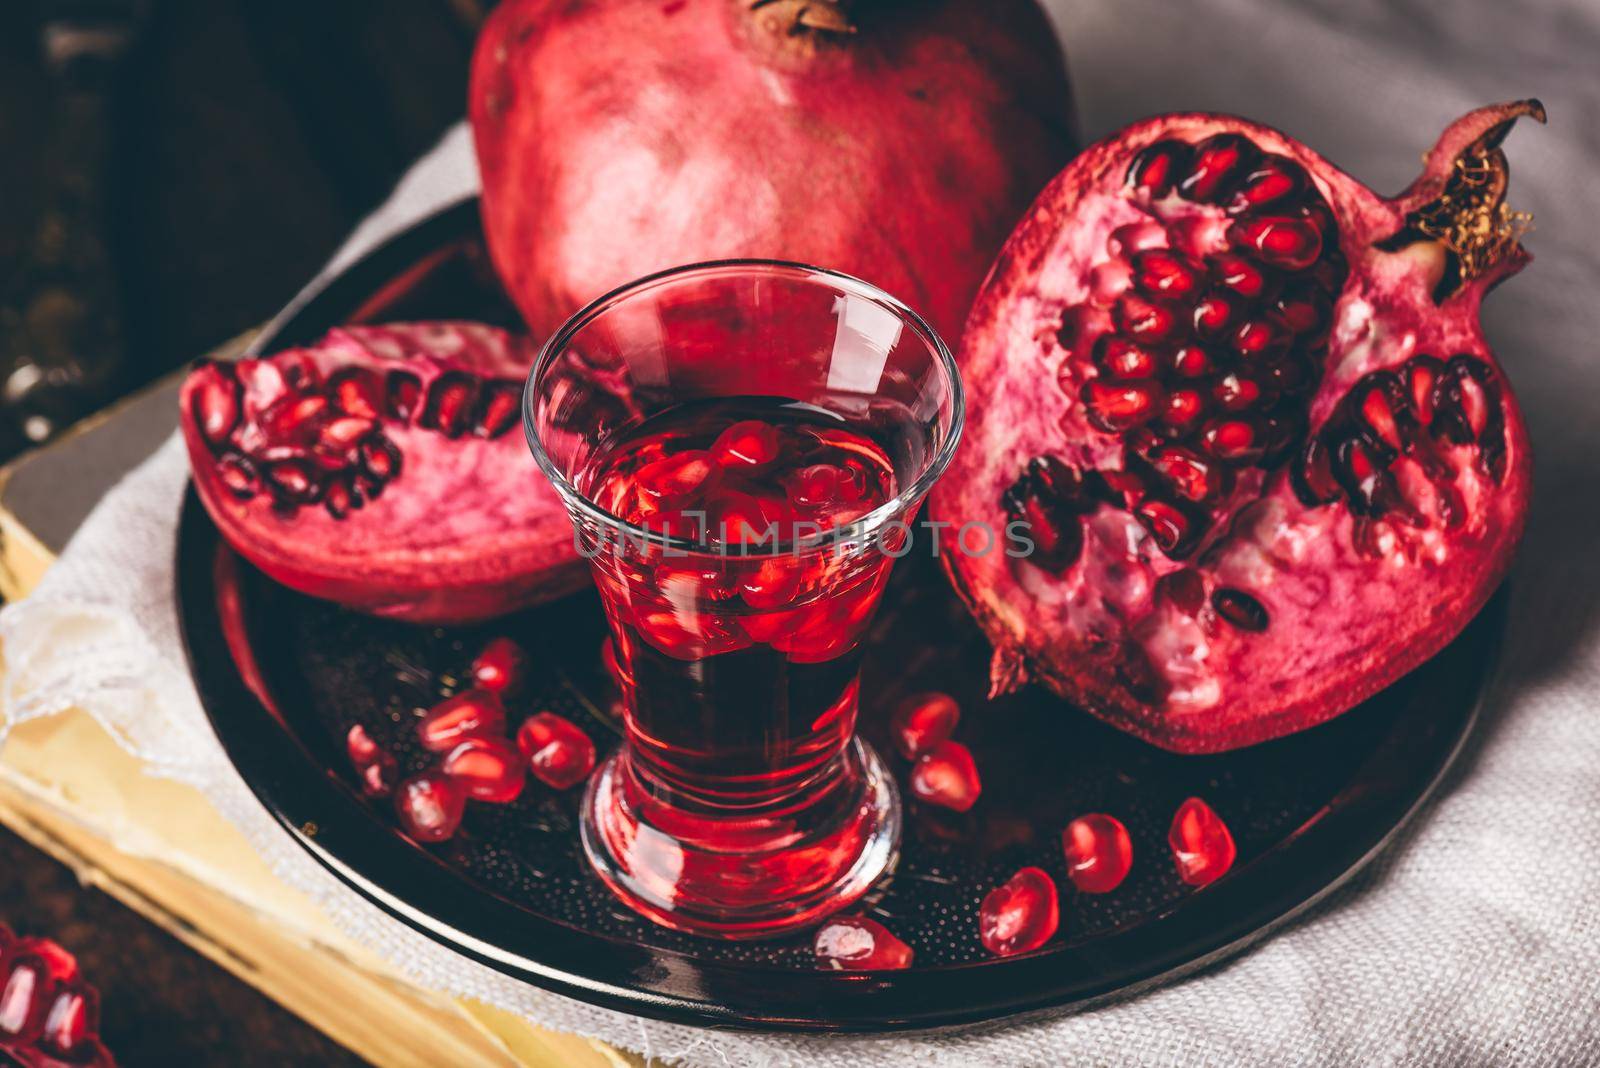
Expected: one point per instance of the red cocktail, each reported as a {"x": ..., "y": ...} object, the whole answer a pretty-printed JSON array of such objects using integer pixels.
[{"x": 742, "y": 446}]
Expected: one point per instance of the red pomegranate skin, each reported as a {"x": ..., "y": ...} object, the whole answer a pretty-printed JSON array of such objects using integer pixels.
[
  {"x": 466, "y": 530},
  {"x": 898, "y": 142},
  {"x": 1336, "y": 606}
]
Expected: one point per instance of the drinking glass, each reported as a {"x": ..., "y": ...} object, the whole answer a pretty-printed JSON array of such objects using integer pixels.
[{"x": 742, "y": 447}]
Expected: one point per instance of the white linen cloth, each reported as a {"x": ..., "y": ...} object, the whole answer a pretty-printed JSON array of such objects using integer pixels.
[{"x": 1476, "y": 937}]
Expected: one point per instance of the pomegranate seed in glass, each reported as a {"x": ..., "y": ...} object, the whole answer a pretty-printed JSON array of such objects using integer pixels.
[{"x": 742, "y": 446}]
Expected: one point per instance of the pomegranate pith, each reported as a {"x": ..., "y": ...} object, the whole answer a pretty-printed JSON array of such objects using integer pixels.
[
  {"x": 379, "y": 468},
  {"x": 1244, "y": 411}
]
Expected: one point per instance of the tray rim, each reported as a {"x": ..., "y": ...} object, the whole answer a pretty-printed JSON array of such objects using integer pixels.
[{"x": 324, "y": 817}]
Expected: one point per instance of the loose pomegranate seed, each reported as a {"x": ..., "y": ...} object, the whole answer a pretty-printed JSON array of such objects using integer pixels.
[
  {"x": 360, "y": 746},
  {"x": 1020, "y": 915},
  {"x": 749, "y": 445},
  {"x": 946, "y": 776},
  {"x": 559, "y": 754},
  {"x": 472, "y": 714},
  {"x": 855, "y": 943},
  {"x": 378, "y": 778},
  {"x": 499, "y": 667},
  {"x": 19, "y": 1015},
  {"x": 376, "y": 767},
  {"x": 489, "y": 769},
  {"x": 1216, "y": 167},
  {"x": 923, "y": 721},
  {"x": 1099, "y": 851},
  {"x": 71, "y": 1021},
  {"x": 1201, "y": 845},
  {"x": 1240, "y": 609},
  {"x": 430, "y": 805}
]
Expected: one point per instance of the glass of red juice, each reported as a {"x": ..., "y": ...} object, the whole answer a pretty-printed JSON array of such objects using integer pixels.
[{"x": 742, "y": 446}]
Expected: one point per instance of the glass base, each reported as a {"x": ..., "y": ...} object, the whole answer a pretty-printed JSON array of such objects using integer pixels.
[{"x": 737, "y": 874}]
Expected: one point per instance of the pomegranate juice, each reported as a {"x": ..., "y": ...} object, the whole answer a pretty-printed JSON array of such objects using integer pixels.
[{"x": 738, "y": 645}]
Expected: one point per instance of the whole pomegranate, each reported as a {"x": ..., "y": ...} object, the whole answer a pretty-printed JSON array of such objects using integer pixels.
[
  {"x": 895, "y": 140},
  {"x": 384, "y": 468},
  {"x": 1242, "y": 407}
]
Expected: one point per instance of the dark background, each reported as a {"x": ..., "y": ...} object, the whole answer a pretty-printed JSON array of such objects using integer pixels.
[{"x": 170, "y": 173}]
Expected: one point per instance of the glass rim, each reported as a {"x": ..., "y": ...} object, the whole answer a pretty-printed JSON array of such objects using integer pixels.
[{"x": 861, "y": 529}]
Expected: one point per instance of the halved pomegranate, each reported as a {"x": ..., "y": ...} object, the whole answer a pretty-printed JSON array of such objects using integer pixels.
[
  {"x": 384, "y": 468},
  {"x": 1242, "y": 408}
]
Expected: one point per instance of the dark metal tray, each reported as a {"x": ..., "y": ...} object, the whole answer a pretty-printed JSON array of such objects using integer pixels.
[{"x": 284, "y": 676}]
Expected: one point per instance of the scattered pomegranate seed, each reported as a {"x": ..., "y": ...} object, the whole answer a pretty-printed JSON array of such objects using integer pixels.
[
  {"x": 946, "y": 776},
  {"x": 1099, "y": 852},
  {"x": 1201, "y": 845},
  {"x": 48, "y": 1015},
  {"x": 855, "y": 943},
  {"x": 923, "y": 721},
  {"x": 559, "y": 754},
  {"x": 430, "y": 805},
  {"x": 489, "y": 769},
  {"x": 472, "y": 714},
  {"x": 1020, "y": 915},
  {"x": 499, "y": 667}
]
